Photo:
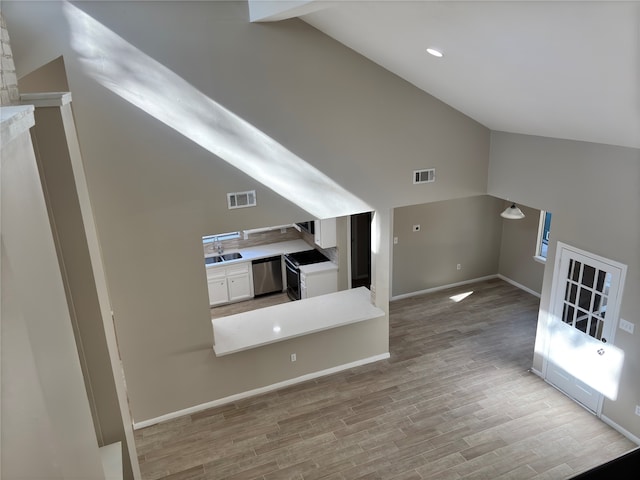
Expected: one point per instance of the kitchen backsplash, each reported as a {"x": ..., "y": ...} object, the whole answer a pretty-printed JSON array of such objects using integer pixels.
[{"x": 270, "y": 236}]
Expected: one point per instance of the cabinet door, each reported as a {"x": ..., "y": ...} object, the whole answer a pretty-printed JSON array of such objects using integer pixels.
[
  {"x": 321, "y": 283},
  {"x": 217, "y": 291},
  {"x": 325, "y": 233},
  {"x": 239, "y": 287}
]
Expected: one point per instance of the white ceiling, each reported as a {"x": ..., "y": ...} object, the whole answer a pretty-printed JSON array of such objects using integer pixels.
[{"x": 563, "y": 69}]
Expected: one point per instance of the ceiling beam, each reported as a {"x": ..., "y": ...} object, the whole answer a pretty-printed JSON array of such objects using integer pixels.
[{"x": 275, "y": 10}]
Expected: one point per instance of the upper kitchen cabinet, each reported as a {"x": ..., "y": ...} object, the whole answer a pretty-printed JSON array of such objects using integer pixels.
[{"x": 325, "y": 233}]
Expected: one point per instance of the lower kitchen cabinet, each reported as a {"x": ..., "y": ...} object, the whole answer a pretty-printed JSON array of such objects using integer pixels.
[
  {"x": 218, "y": 293},
  {"x": 229, "y": 283},
  {"x": 318, "y": 279},
  {"x": 239, "y": 287}
]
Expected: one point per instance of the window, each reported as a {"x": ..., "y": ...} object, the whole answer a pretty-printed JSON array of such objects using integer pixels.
[
  {"x": 543, "y": 236},
  {"x": 220, "y": 237}
]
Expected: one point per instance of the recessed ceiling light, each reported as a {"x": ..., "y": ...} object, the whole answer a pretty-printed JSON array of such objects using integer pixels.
[{"x": 434, "y": 52}]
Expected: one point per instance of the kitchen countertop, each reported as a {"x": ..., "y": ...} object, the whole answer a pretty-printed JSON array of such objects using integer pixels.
[
  {"x": 317, "y": 267},
  {"x": 263, "y": 251},
  {"x": 276, "y": 323}
]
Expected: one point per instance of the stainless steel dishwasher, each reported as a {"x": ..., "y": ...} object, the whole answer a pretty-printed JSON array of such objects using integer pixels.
[{"x": 267, "y": 275}]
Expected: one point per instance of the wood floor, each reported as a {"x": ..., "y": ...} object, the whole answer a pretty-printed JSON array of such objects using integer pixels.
[{"x": 454, "y": 401}]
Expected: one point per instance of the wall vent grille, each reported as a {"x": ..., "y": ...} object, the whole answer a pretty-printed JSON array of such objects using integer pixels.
[
  {"x": 241, "y": 199},
  {"x": 427, "y": 175}
]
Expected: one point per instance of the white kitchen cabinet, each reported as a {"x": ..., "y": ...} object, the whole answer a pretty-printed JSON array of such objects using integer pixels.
[
  {"x": 229, "y": 283},
  {"x": 239, "y": 281},
  {"x": 325, "y": 232},
  {"x": 217, "y": 291},
  {"x": 318, "y": 279}
]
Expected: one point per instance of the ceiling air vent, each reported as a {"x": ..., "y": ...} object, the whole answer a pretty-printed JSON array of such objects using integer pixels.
[
  {"x": 424, "y": 176},
  {"x": 241, "y": 199}
]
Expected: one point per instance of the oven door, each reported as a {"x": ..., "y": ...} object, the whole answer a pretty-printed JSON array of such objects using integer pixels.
[{"x": 293, "y": 279}]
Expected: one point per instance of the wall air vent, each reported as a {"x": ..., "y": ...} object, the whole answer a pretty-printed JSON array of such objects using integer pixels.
[
  {"x": 424, "y": 176},
  {"x": 241, "y": 199}
]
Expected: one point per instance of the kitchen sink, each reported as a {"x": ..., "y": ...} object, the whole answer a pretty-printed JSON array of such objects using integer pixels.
[
  {"x": 222, "y": 258},
  {"x": 216, "y": 259}
]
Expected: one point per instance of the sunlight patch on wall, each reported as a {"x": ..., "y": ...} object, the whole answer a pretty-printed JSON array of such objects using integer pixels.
[{"x": 155, "y": 89}]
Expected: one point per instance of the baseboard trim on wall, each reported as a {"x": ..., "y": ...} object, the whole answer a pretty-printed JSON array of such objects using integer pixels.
[
  {"x": 442, "y": 287},
  {"x": 620, "y": 430},
  {"x": 604, "y": 418},
  {"x": 258, "y": 391},
  {"x": 537, "y": 372},
  {"x": 519, "y": 285}
]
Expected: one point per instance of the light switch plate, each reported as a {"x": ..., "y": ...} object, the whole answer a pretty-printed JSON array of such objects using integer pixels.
[{"x": 626, "y": 326}]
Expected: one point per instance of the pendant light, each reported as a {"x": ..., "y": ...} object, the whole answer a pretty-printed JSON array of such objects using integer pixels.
[{"x": 512, "y": 213}]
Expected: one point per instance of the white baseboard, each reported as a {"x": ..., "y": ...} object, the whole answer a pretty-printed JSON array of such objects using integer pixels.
[
  {"x": 536, "y": 372},
  {"x": 621, "y": 430},
  {"x": 258, "y": 391},
  {"x": 519, "y": 285},
  {"x": 604, "y": 418},
  {"x": 442, "y": 287}
]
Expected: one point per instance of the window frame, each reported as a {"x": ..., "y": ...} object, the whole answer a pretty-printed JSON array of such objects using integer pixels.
[
  {"x": 541, "y": 255},
  {"x": 220, "y": 237}
]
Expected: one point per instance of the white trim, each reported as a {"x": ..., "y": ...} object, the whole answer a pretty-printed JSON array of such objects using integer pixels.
[
  {"x": 621, "y": 430},
  {"x": 540, "y": 259},
  {"x": 14, "y": 121},
  {"x": 46, "y": 99},
  {"x": 604, "y": 418},
  {"x": 519, "y": 285},
  {"x": 536, "y": 372},
  {"x": 111, "y": 456},
  {"x": 442, "y": 287},
  {"x": 258, "y": 391},
  {"x": 540, "y": 232}
]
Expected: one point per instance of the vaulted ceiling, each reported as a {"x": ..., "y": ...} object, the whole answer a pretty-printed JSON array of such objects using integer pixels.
[{"x": 562, "y": 69}]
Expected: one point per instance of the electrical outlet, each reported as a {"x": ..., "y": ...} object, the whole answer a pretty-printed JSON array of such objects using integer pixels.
[
  {"x": 638, "y": 410},
  {"x": 626, "y": 326},
  {"x": 293, "y": 357},
  {"x": 416, "y": 228},
  {"x": 458, "y": 267}
]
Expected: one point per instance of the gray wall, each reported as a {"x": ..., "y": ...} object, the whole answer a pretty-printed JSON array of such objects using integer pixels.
[
  {"x": 465, "y": 231},
  {"x": 155, "y": 193},
  {"x": 47, "y": 429},
  {"x": 60, "y": 167},
  {"x": 518, "y": 247},
  {"x": 593, "y": 192}
]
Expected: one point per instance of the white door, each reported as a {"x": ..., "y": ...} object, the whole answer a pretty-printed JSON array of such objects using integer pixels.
[{"x": 581, "y": 359}]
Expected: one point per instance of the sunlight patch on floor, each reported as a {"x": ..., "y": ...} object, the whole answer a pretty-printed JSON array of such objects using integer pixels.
[{"x": 461, "y": 296}]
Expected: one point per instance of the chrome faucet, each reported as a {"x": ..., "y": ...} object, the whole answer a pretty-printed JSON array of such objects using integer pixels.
[{"x": 218, "y": 247}]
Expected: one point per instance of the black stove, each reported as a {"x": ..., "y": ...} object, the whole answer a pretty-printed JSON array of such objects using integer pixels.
[
  {"x": 306, "y": 257},
  {"x": 293, "y": 261}
]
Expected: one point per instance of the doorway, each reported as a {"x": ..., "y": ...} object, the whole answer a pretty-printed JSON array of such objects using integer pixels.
[
  {"x": 361, "y": 249},
  {"x": 581, "y": 359}
]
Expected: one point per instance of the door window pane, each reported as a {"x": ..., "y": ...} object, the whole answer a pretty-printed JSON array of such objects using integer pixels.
[{"x": 588, "y": 275}]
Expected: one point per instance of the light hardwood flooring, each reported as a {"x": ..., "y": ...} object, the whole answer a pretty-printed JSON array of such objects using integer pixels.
[{"x": 455, "y": 400}]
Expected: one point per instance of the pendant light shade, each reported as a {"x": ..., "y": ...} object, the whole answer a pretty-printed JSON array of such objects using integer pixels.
[{"x": 512, "y": 213}]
